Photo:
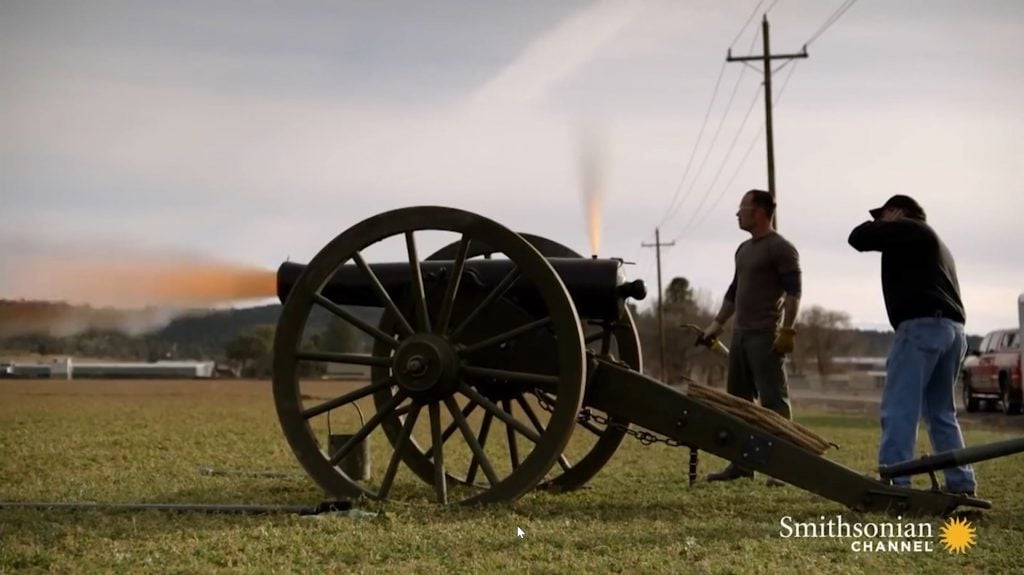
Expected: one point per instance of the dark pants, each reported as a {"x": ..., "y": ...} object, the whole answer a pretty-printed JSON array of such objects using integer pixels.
[{"x": 756, "y": 370}]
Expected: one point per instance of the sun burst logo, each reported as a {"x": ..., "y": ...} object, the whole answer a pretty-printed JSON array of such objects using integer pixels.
[{"x": 957, "y": 535}]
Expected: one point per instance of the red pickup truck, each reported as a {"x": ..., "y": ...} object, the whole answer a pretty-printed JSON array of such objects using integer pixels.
[{"x": 993, "y": 372}]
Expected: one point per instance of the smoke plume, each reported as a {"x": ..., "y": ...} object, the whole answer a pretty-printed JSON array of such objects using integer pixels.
[
  {"x": 69, "y": 290},
  {"x": 592, "y": 176}
]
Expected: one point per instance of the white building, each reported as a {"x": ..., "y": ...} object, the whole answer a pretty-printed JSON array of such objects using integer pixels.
[
  {"x": 143, "y": 370},
  {"x": 68, "y": 369}
]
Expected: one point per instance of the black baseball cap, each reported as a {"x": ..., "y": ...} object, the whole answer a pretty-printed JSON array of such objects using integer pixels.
[{"x": 905, "y": 203}]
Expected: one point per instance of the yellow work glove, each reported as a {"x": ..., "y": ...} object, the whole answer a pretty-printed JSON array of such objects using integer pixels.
[{"x": 783, "y": 343}]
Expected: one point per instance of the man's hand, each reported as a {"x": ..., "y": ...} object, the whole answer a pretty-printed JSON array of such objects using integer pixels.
[
  {"x": 709, "y": 334},
  {"x": 783, "y": 343},
  {"x": 892, "y": 214}
]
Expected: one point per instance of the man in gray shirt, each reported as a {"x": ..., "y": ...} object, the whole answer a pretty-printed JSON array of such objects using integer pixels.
[{"x": 764, "y": 296}]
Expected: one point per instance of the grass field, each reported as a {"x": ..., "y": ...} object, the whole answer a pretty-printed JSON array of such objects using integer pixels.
[{"x": 145, "y": 441}]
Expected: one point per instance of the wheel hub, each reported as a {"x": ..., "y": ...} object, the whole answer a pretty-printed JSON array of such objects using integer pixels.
[{"x": 426, "y": 366}]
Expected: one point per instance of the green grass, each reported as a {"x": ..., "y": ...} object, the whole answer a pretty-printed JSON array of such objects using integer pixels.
[{"x": 130, "y": 442}]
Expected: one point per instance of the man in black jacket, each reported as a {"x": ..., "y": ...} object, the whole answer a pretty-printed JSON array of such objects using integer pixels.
[{"x": 922, "y": 298}]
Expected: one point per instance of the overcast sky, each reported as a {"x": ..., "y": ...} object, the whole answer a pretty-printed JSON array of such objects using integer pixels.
[{"x": 256, "y": 131}]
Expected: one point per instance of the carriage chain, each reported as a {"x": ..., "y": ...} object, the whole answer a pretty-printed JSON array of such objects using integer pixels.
[{"x": 586, "y": 415}]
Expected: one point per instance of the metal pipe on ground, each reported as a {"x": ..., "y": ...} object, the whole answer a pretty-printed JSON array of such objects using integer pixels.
[
  {"x": 231, "y": 509},
  {"x": 953, "y": 458}
]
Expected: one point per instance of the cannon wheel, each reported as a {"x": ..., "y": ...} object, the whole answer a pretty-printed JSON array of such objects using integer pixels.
[
  {"x": 422, "y": 362},
  {"x": 608, "y": 438},
  {"x": 575, "y": 474}
]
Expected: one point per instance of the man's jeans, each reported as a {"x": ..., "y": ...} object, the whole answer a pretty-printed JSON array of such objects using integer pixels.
[{"x": 920, "y": 373}]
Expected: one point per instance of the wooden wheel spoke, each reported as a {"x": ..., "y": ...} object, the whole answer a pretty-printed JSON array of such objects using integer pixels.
[
  {"x": 525, "y": 376},
  {"x": 499, "y": 412},
  {"x": 508, "y": 335},
  {"x": 366, "y": 328},
  {"x": 603, "y": 334},
  {"x": 513, "y": 443},
  {"x": 498, "y": 291},
  {"x": 547, "y": 397},
  {"x": 450, "y": 292},
  {"x": 563, "y": 461},
  {"x": 440, "y": 482},
  {"x": 606, "y": 342},
  {"x": 382, "y": 295},
  {"x": 485, "y": 428},
  {"x": 453, "y": 426},
  {"x": 418, "y": 295},
  {"x": 406, "y": 409},
  {"x": 387, "y": 409},
  {"x": 349, "y": 358},
  {"x": 401, "y": 444},
  {"x": 346, "y": 399},
  {"x": 474, "y": 445}
]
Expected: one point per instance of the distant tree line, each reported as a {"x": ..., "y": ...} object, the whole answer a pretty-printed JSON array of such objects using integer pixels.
[
  {"x": 244, "y": 338},
  {"x": 822, "y": 336},
  {"x": 241, "y": 338},
  {"x": 252, "y": 349}
]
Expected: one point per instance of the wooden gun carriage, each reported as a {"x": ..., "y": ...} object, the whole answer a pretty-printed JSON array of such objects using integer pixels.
[{"x": 498, "y": 329}]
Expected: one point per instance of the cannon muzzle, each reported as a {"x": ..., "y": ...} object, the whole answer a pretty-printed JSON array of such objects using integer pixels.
[{"x": 596, "y": 286}]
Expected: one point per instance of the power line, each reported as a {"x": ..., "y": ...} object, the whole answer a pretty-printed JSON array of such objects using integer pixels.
[
  {"x": 846, "y": 5},
  {"x": 648, "y": 268},
  {"x": 747, "y": 23},
  {"x": 749, "y": 65},
  {"x": 674, "y": 209},
  {"x": 746, "y": 155},
  {"x": 766, "y": 58},
  {"x": 693, "y": 152},
  {"x": 725, "y": 159},
  {"x": 832, "y": 19},
  {"x": 829, "y": 22},
  {"x": 785, "y": 83},
  {"x": 728, "y": 185},
  {"x": 780, "y": 66},
  {"x": 751, "y": 18},
  {"x": 657, "y": 245},
  {"x": 676, "y": 204}
]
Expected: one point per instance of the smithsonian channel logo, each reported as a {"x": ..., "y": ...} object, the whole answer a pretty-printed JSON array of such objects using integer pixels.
[{"x": 956, "y": 535}]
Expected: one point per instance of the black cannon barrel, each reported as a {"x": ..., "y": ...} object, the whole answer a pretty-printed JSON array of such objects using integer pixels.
[
  {"x": 595, "y": 285},
  {"x": 953, "y": 458}
]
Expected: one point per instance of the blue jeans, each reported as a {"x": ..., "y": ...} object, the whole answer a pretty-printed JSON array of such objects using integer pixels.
[{"x": 920, "y": 373}]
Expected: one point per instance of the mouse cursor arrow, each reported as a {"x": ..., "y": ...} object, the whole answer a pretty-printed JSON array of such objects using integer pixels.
[{"x": 520, "y": 533}]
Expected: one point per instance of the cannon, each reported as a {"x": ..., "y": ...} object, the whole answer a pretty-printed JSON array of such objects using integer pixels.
[{"x": 498, "y": 329}]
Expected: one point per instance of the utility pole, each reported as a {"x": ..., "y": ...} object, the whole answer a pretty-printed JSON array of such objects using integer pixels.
[
  {"x": 766, "y": 61},
  {"x": 661, "y": 309}
]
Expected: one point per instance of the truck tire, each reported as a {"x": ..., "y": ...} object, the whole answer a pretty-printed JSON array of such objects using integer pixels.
[
  {"x": 971, "y": 403},
  {"x": 1011, "y": 399}
]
